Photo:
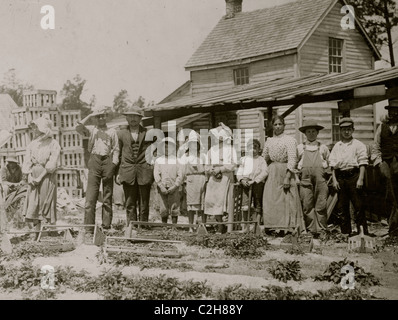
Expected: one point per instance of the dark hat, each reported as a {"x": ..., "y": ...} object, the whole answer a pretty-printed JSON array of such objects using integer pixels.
[
  {"x": 310, "y": 124},
  {"x": 346, "y": 122},
  {"x": 134, "y": 110},
  {"x": 392, "y": 104}
]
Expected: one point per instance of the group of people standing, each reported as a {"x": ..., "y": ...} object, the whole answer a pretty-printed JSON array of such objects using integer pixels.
[{"x": 286, "y": 183}]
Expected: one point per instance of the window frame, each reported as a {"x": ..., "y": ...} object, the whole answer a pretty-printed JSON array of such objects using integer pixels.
[
  {"x": 239, "y": 79},
  {"x": 336, "y": 61}
]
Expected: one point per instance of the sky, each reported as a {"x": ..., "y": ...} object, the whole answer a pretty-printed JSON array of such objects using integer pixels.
[{"x": 137, "y": 45}]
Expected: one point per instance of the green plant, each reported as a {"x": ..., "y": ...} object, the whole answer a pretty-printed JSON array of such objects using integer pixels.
[
  {"x": 237, "y": 292},
  {"x": 129, "y": 258},
  {"x": 333, "y": 274},
  {"x": 23, "y": 277},
  {"x": 247, "y": 245},
  {"x": 284, "y": 271}
]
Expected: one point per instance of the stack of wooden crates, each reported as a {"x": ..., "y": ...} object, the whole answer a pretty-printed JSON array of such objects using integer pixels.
[{"x": 71, "y": 162}]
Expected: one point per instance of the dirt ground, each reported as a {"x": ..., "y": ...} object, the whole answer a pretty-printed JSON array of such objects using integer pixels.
[{"x": 220, "y": 270}]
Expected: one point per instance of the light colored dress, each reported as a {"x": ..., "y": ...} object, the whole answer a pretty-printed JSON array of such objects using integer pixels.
[
  {"x": 281, "y": 210},
  {"x": 195, "y": 179},
  {"x": 41, "y": 200},
  {"x": 219, "y": 192}
]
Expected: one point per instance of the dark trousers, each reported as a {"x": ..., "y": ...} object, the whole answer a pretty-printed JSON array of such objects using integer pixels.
[
  {"x": 257, "y": 196},
  {"x": 101, "y": 168},
  {"x": 133, "y": 194},
  {"x": 349, "y": 192}
]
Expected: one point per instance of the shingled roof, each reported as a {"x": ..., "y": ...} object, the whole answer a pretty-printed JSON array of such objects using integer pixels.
[{"x": 260, "y": 32}]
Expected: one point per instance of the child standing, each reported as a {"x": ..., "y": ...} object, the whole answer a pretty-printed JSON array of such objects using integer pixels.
[
  {"x": 194, "y": 175},
  {"x": 313, "y": 163},
  {"x": 251, "y": 174},
  {"x": 168, "y": 176},
  {"x": 348, "y": 160}
]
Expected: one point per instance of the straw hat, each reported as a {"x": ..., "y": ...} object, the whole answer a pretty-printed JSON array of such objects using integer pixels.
[
  {"x": 307, "y": 124},
  {"x": 134, "y": 110},
  {"x": 11, "y": 159}
]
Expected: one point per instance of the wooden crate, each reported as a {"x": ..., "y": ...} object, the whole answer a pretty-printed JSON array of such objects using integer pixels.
[
  {"x": 68, "y": 179},
  {"x": 69, "y": 120},
  {"x": 71, "y": 140},
  {"x": 74, "y": 193},
  {"x": 21, "y": 139},
  {"x": 72, "y": 159},
  {"x": 20, "y": 118},
  {"x": 21, "y": 156}
]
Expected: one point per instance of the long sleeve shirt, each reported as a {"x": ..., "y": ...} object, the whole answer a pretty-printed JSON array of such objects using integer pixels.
[
  {"x": 102, "y": 142},
  {"x": 281, "y": 148},
  {"x": 254, "y": 169},
  {"x": 345, "y": 156},
  {"x": 376, "y": 149},
  {"x": 45, "y": 152},
  {"x": 312, "y": 146},
  {"x": 168, "y": 172}
]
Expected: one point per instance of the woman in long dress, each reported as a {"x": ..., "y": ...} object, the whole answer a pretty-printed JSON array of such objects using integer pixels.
[
  {"x": 41, "y": 162},
  {"x": 281, "y": 201},
  {"x": 220, "y": 168}
]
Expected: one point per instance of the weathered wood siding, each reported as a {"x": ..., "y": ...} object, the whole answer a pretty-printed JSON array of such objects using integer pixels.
[
  {"x": 314, "y": 55},
  {"x": 204, "y": 81},
  {"x": 254, "y": 119},
  {"x": 322, "y": 113}
]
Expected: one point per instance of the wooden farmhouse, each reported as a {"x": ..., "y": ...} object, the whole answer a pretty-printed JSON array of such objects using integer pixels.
[{"x": 299, "y": 60}]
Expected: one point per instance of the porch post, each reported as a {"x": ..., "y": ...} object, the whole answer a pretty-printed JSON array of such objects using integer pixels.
[{"x": 269, "y": 132}]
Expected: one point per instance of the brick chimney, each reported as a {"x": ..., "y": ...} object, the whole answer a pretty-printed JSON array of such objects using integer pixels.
[{"x": 232, "y": 7}]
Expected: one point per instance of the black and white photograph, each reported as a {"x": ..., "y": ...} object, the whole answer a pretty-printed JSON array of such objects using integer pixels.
[{"x": 199, "y": 154}]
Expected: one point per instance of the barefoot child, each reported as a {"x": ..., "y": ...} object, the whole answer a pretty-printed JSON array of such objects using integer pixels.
[{"x": 251, "y": 174}]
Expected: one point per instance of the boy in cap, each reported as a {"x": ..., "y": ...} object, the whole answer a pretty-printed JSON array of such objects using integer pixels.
[
  {"x": 134, "y": 172},
  {"x": 384, "y": 155},
  {"x": 168, "y": 174},
  {"x": 313, "y": 163},
  {"x": 103, "y": 146},
  {"x": 348, "y": 160}
]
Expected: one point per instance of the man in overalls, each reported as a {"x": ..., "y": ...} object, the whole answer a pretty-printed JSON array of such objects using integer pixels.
[{"x": 313, "y": 163}]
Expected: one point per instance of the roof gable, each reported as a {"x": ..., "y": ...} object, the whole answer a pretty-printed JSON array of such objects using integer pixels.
[
  {"x": 265, "y": 31},
  {"x": 259, "y": 32},
  {"x": 7, "y": 104}
]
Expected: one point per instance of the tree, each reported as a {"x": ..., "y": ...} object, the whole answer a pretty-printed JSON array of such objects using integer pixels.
[
  {"x": 378, "y": 17},
  {"x": 71, "y": 92},
  {"x": 14, "y": 86},
  {"x": 140, "y": 102},
  {"x": 121, "y": 101}
]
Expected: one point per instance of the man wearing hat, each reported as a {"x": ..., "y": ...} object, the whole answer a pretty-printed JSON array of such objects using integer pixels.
[
  {"x": 313, "y": 163},
  {"x": 11, "y": 175},
  {"x": 134, "y": 173},
  {"x": 385, "y": 156},
  {"x": 103, "y": 146},
  {"x": 348, "y": 160}
]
